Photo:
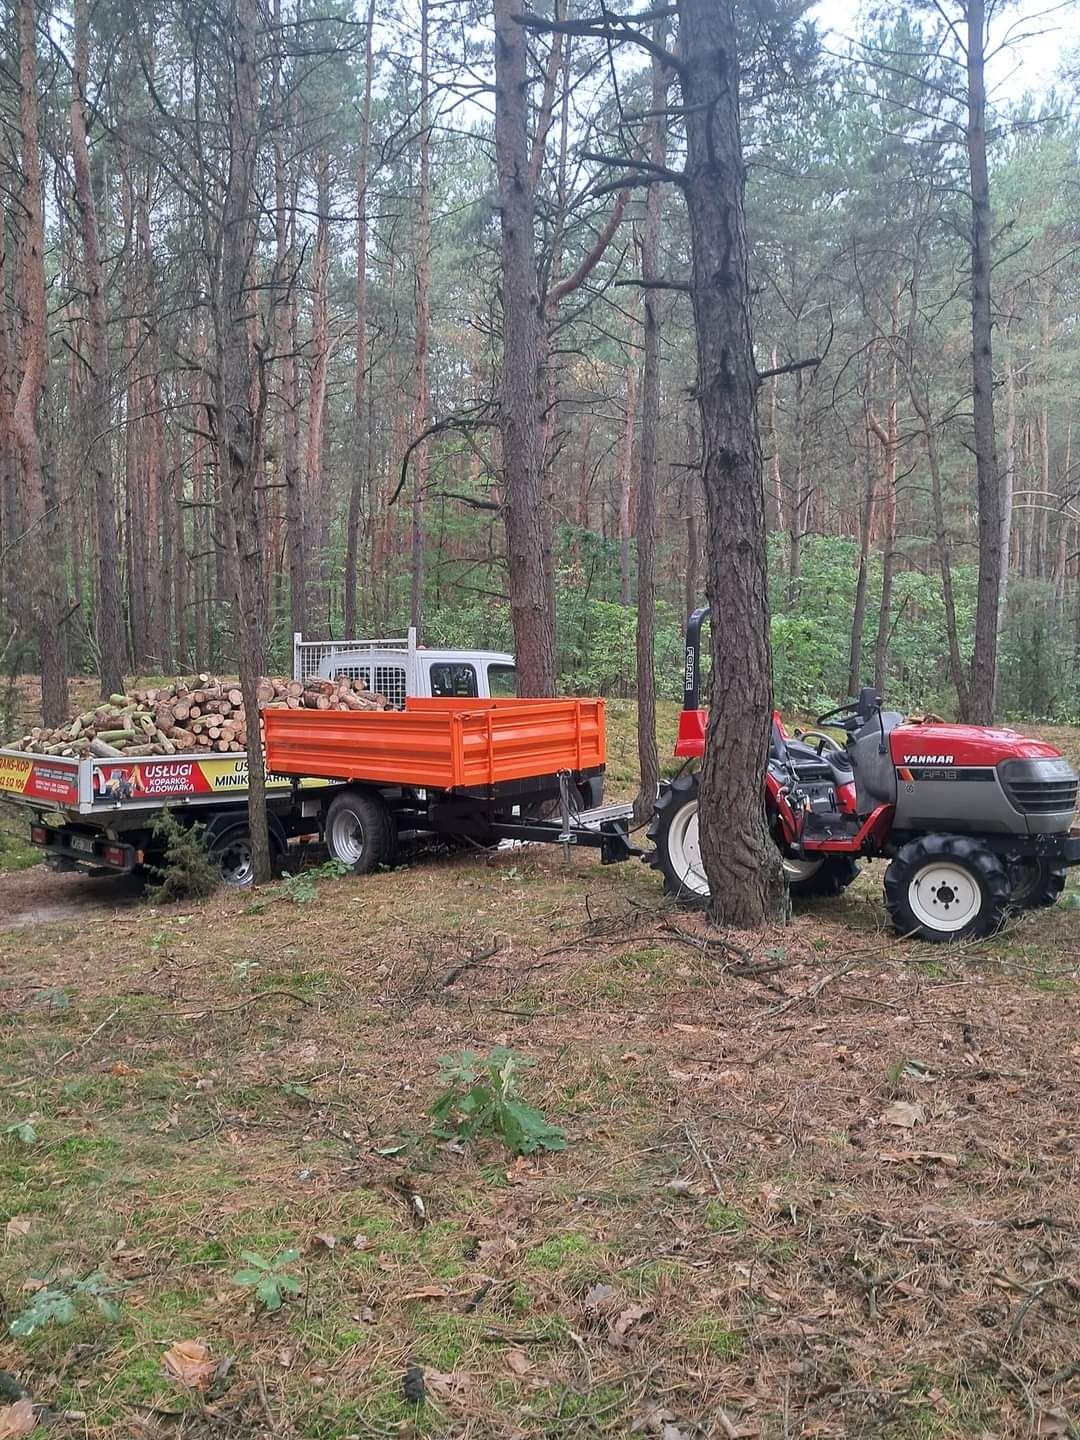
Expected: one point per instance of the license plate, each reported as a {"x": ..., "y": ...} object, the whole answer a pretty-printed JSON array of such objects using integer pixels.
[{"x": 82, "y": 843}]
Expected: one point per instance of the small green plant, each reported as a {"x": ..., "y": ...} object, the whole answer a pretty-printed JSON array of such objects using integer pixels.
[
  {"x": 186, "y": 871},
  {"x": 271, "y": 1280},
  {"x": 480, "y": 1096},
  {"x": 58, "y": 1304},
  {"x": 21, "y": 1130},
  {"x": 302, "y": 887}
]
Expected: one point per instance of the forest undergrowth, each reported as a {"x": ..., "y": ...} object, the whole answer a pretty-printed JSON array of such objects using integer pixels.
[{"x": 816, "y": 1182}]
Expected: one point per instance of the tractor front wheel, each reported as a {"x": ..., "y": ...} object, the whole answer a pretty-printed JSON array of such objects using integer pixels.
[{"x": 947, "y": 887}]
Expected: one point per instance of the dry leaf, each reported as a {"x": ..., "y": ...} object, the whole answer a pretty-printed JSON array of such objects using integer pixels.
[
  {"x": 363, "y": 1242},
  {"x": 122, "y": 1069},
  {"x": 286, "y": 1357},
  {"x": 427, "y": 1292},
  {"x": 652, "y": 1418},
  {"x": 17, "y": 1419},
  {"x": 626, "y": 1321},
  {"x": 189, "y": 1362},
  {"x": 452, "y": 1390},
  {"x": 324, "y": 1240},
  {"x": 18, "y": 1226},
  {"x": 904, "y": 1115},
  {"x": 518, "y": 1362},
  {"x": 1052, "y": 1423}
]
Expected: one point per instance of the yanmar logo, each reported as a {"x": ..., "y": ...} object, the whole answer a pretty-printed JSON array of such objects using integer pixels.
[{"x": 928, "y": 760}]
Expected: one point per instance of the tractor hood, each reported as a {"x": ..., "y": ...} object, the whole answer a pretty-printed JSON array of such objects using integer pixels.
[{"x": 933, "y": 743}]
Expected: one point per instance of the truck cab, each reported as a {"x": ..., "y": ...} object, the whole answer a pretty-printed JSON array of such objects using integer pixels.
[{"x": 400, "y": 668}]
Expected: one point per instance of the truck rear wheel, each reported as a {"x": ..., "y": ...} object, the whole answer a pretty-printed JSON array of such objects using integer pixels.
[
  {"x": 1035, "y": 884},
  {"x": 230, "y": 849},
  {"x": 946, "y": 887},
  {"x": 359, "y": 831},
  {"x": 674, "y": 832}
]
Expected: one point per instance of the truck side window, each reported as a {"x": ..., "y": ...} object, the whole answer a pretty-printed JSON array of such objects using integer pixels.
[
  {"x": 502, "y": 681},
  {"x": 453, "y": 680}
]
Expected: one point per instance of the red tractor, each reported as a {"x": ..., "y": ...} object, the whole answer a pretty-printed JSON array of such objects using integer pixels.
[{"x": 975, "y": 822}]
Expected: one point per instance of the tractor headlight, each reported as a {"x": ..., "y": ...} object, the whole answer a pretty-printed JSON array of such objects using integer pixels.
[
  {"x": 1044, "y": 770},
  {"x": 1040, "y": 787}
]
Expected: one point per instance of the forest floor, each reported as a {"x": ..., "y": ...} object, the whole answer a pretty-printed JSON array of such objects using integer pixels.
[{"x": 817, "y": 1182}]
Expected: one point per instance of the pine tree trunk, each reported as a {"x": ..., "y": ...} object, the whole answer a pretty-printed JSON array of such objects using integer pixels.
[
  {"x": 237, "y": 439},
  {"x": 108, "y": 616},
  {"x": 423, "y": 307},
  {"x": 360, "y": 431},
  {"x": 528, "y": 518},
  {"x": 40, "y": 504},
  {"x": 988, "y": 478},
  {"x": 10, "y": 516},
  {"x": 648, "y": 762},
  {"x": 746, "y": 880},
  {"x": 626, "y": 480},
  {"x": 315, "y": 498},
  {"x": 858, "y": 617}
]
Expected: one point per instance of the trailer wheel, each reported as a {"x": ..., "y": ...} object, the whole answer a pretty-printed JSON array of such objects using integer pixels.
[
  {"x": 946, "y": 887},
  {"x": 359, "y": 831},
  {"x": 1035, "y": 884}
]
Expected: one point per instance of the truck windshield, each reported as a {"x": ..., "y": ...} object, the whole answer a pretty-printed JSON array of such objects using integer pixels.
[{"x": 502, "y": 681}]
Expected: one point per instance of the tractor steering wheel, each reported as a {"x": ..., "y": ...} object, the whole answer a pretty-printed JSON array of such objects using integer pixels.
[
  {"x": 844, "y": 714},
  {"x": 824, "y": 742}
]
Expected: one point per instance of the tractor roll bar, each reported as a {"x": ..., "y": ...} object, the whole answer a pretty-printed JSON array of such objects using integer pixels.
[{"x": 692, "y": 666}]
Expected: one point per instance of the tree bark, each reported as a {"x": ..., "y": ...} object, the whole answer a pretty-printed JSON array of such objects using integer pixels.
[
  {"x": 626, "y": 482},
  {"x": 236, "y": 422},
  {"x": 360, "y": 431},
  {"x": 40, "y": 504},
  {"x": 746, "y": 879},
  {"x": 315, "y": 498},
  {"x": 648, "y": 762},
  {"x": 423, "y": 332},
  {"x": 528, "y": 517},
  {"x": 988, "y": 477},
  {"x": 866, "y": 529},
  {"x": 108, "y": 614}
]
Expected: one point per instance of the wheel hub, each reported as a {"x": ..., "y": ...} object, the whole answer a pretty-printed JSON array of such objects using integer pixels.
[{"x": 944, "y": 896}]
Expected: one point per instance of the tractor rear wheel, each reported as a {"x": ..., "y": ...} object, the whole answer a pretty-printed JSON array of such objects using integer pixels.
[
  {"x": 1035, "y": 884},
  {"x": 674, "y": 833},
  {"x": 946, "y": 887}
]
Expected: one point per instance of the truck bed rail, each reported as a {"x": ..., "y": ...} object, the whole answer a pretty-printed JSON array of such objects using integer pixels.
[{"x": 439, "y": 744}]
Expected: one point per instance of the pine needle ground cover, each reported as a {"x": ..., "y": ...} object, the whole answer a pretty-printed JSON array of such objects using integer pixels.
[{"x": 816, "y": 1183}]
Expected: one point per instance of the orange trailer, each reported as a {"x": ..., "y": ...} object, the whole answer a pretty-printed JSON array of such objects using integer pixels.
[{"x": 483, "y": 770}]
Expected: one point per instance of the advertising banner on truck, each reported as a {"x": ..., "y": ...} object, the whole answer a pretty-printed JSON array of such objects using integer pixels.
[
  {"x": 165, "y": 778},
  {"x": 56, "y": 781}
]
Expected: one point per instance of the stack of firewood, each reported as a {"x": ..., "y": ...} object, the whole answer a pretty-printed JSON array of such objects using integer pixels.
[{"x": 202, "y": 714}]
